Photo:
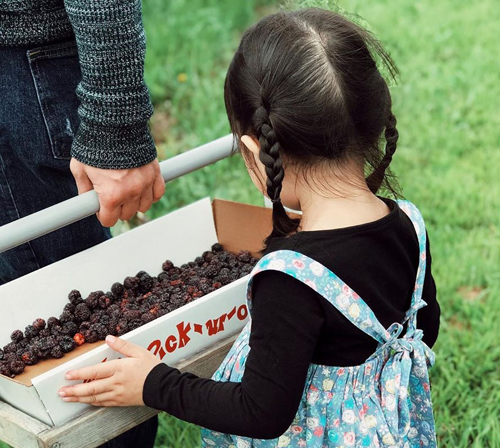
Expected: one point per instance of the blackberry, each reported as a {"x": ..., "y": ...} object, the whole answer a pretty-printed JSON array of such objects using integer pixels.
[
  {"x": 10, "y": 357},
  {"x": 17, "y": 367},
  {"x": 82, "y": 312},
  {"x": 67, "y": 344},
  {"x": 96, "y": 316},
  {"x": 132, "y": 314},
  {"x": 134, "y": 323},
  {"x": 69, "y": 307},
  {"x": 224, "y": 279},
  {"x": 113, "y": 310},
  {"x": 79, "y": 339},
  {"x": 30, "y": 331},
  {"x": 92, "y": 301},
  {"x": 84, "y": 326},
  {"x": 5, "y": 369},
  {"x": 101, "y": 330},
  {"x": 39, "y": 324},
  {"x": 217, "y": 248},
  {"x": 11, "y": 347},
  {"x": 146, "y": 282},
  {"x": 1, "y": 355},
  {"x": 57, "y": 330},
  {"x": 90, "y": 336},
  {"x": 162, "y": 312},
  {"x": 57, "y": 352},
  {"x": 163, "y": 276},
  {"x": 45, "y": 333},
  {"x": 212, "y": 270},
  {"x": 66, "y": 316},
  {"x": 198, "y": 261},
  {"x": 131, "y": 283},
  {"x": 17, "y": 336},
  {"x": 51, "y": 321},
  {"x": 147, "y": 317},
  {"x": 167, "y": 265},
  {"x": 75, "y": 297},
  {"x": 70, "y": 329},
  {"x": 113, "y": 323},
  {"x": 29, "y": 358},
  {"x": 244, "y": 256},
  {"x": 105, "y": 301},
  {"x": 207, "y": 256},
  {"x": 217, "y": 285},
  {"x": 122, "y": 327},
  {"x": 117, "y": 290}
]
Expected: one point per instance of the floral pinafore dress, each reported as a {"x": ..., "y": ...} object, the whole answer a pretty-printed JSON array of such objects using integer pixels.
[{"x": 385, "y": 402}]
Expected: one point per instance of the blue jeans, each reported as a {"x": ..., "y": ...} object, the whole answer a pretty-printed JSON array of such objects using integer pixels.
[{"x": 38, "y": 118}]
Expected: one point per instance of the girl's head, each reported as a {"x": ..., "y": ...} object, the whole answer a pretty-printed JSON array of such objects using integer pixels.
[{"x": 304, "y": 94}]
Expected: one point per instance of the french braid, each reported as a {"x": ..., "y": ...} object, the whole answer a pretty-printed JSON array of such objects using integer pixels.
[{"x": 270, "y": 157}]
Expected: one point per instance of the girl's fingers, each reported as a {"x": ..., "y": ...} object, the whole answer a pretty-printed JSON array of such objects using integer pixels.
[
  {"x": 105, "y": 399},
  {"x": 99, "y": 371},
  {"x": 91, "y": 389}
]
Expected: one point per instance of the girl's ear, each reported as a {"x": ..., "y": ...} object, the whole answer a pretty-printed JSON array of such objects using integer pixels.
[{"x": 252, "y": 144}]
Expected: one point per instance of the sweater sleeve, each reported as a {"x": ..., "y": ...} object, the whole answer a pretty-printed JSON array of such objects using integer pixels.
[
  {"x": 115, "y": 103},
  {"x": 286, "y": 323}
]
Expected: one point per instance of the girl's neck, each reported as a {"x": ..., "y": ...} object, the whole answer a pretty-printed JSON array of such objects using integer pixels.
[{"x": 350, "y": 205}]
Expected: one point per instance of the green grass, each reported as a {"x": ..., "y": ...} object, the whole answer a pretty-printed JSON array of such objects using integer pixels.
[{"x": 448, "y": 159}]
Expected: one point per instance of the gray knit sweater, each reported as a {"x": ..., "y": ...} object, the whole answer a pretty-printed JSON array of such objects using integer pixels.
[{"x": 115, "y": 103}]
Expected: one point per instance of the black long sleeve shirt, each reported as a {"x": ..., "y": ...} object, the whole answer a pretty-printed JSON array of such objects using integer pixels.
[{"x": 293, "y": 326}]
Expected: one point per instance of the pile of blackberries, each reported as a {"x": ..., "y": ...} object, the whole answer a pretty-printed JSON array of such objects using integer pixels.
[{"x": 135, "y": 302}]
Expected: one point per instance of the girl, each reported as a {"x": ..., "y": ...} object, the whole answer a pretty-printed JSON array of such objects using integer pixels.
[{"x": 329, "y": 363}]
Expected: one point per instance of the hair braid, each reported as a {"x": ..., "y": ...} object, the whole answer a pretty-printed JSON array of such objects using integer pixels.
[
  {"x": 376, "y": 178},
  {"x": 270, "y": 157}
]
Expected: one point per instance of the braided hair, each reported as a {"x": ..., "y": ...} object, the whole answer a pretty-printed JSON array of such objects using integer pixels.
[
  {"x": 307, "y": 86},
  {"x": 270, "y": 157},
  {"x": 375, "y": 179}
]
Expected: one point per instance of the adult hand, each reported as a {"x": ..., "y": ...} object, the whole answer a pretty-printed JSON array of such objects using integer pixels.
[
  {"x": 121, "y": 192},
  {"x": 114, "y": 383}
]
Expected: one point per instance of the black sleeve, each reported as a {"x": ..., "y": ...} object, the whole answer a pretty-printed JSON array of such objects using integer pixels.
[
  {"x": 428, "y": 316},
  {"x": 286, "y": 323}
]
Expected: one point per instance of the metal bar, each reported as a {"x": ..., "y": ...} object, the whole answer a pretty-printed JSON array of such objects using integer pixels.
[{"x": 79, "y": 207}]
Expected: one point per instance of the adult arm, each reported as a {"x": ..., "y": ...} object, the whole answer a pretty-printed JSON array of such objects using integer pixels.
[{"x": 114, "y": 110}]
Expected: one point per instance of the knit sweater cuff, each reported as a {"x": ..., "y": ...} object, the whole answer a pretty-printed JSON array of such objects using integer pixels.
[{"x": 113, "y": 147}]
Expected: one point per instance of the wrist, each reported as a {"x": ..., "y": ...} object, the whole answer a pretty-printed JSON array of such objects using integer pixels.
[{"x": 113, "y": 147}]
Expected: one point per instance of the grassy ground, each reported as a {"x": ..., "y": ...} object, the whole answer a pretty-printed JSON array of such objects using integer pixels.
[{"x": 447, "y": 161}]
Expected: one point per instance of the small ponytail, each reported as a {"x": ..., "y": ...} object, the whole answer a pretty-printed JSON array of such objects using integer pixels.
[
  {"x": 270, "y": 156},
  {"x": 375, "y": 179}
]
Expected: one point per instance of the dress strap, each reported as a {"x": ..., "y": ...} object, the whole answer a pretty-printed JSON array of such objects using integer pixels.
[
  {"x": 416, "y": 300},
  {"x": 327, "y": 284}
]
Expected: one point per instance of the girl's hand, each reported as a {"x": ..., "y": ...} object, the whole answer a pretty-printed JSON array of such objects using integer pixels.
[{"x": 115, "y": 383}]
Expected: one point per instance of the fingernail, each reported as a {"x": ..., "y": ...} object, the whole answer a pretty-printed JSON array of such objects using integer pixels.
[
  {"x": 110, "y": 339},
  {"x": 66, "y": 399},
  {"x": 69, "y": 376},
  {"x": 62, "y": 393}
]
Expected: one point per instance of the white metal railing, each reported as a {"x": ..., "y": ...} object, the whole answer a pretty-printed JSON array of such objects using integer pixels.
[{"x": 79, "y": 207}]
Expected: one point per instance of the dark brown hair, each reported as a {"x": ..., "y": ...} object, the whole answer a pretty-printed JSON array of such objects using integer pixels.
[{"x": 306, "y": 84}]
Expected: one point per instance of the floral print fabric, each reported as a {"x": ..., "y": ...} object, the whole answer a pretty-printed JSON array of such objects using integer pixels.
[{"x": 385, "y": 402}]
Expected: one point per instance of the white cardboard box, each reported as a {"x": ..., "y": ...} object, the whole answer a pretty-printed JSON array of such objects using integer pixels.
[{"x": 180, "y": 236}]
